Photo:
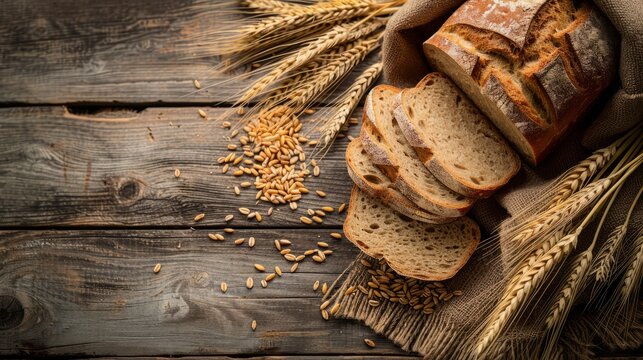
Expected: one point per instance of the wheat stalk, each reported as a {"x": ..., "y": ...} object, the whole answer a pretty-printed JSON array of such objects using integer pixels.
[
  {"x": 273, "y": 7},
  {"x": 563, "y": 212},
  {"x": 632, "y": 278},
  {"x": 605, "y": 258},
  {"x": 522, "y": 286},
  {"x": 582, "y": 172},
  {"x": 348, "y": 103},
  {"x": 337, "y": 35},
  {"x": 333, "y": 72}
]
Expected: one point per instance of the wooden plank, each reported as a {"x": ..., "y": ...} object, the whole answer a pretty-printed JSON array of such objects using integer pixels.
[
  {"x": 63, "y": 51},
  {"x": 117, "y": 169},
  {"x": 93, "y": 292}
]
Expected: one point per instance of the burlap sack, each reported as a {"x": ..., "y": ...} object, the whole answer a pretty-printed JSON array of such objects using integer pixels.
[{"x": 446, "y": 333}]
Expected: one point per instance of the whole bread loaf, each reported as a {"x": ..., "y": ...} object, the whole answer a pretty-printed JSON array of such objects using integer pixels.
[{"x": 533, "y": 66}]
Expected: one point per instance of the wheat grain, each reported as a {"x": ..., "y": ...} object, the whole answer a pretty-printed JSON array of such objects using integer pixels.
[
  {"x": 347, "y": 103},
  {"x": 567, "y": 295},
  {"x": 273, "y": 7},
  {"x": 522, "y": 286},
  {"x": 605, "y": 257},
  {"x": 632, "y": 277}
]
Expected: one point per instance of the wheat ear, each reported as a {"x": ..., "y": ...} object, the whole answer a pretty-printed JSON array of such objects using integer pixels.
[
  {"x": 347, "y": 103},
  {"x": 337, "y": 35},
  {"x": 333, "y": 72},
  {"x": 522, "y": 286}
]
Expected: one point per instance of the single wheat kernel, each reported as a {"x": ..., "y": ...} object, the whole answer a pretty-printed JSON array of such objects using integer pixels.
[
  {"x": 202, "y": 113},
  {"x": 199, "y": 217},
  {"x": 157, "y": 268}
]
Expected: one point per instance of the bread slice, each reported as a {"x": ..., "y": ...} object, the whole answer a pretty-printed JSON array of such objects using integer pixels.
[
  {"x": 457, "y": 142},
  {"x": 374, "y": 182},
  {"x": 383, "y": 140},
  {"x": 412, "y": 248}
]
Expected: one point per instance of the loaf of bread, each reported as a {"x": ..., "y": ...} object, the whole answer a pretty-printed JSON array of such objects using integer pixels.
[{"x": 533, "y": 66}]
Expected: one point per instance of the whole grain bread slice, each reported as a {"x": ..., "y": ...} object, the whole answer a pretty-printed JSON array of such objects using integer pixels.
[
  {"x": 385, "y": 143},
  {"x": 456, "y": 142},
  {"x": 374, "y": 182},
  {"x": 431, "y": 252}
]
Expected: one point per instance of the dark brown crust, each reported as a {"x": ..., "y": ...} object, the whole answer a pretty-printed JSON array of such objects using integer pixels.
[
  {"x": 402, "y": 271},
  {"x": 469, "y": 62}
]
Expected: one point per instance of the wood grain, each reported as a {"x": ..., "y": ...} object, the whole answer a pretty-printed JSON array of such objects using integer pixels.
[
  {"x": 116, "y": 168},
  {"x": 94, "y": 292},
  {"x": 100, "y": 52}
]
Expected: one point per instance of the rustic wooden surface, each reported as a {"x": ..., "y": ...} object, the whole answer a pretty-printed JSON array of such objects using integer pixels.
[{"x": 90, "y": 203}]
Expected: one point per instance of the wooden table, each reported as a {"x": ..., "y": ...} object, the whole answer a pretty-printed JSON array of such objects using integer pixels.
[{"x": 98, "y": 110}]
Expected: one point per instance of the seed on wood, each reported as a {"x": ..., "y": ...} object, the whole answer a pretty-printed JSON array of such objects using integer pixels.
[
  {"x": 197, "y": 84},
  {"x": 258, "y": 216},
  {"x": 278, "y": 245},
  {"x": 320, "y": 193},
  {"x": 216, "y": 237},
  {"x": 237, "y": 173},
  {"x": 324, "y": 288},
  {"x": 334, "y": 309},
  {"x": 252, "y": 215},
  {"x": 310, "y": 252},
  {"x": 229, "y": 218},
  {"x": 327, "y": 252},
  {"x": 199, "y": 217},
  {"x": 317, "y": 219},
  {"x": 225, "y": 168},
  {"x": 278, "y": 270},
  {"x": 270, "y": 211},
  {"x": 316, "y": 285},
  {"x": 341, "y": 208},
  {"x": 202, "y": 113},
  {"x": 322, "y": 244},
  {"x": 157, "y": 268},
  {"x": 290, "y": 257},
  {"x": 270, "y": 276},
  {"x": 293, "y": 206},
  {"x": 316, "y": 171},
  {"x": 310, "y": 212},
  {"x": 224, "y": 287},
  {"x": 244, "y": 211},
  {"x": 246, "y": 184},
  {"x": 305, "y": 220},
  {"x": 239, "y": 241},
  {"x": 300, "y": 258},
  {"x": 250, "y": 283},
  {"x": 177, "y": 173},
  {"x": 254, "y": 325},
  {"x": 228, "y": 230},
  {"x": 369, "y": 343},
  {"x": 303, "y": 190},
  {"x": 234, "y": 133},
  {"x": 336, "y": 235},
  {"x": 226, "y": 124},
  {"x": 318, "y": 259},
  {"x": 285, "y": 242},
  {"x": 294, "y": 267},
  {"x": 328, "y": 209},
  {"x": 251, "y": 242},
  {"x": 264, "y": 283},
  {"x": 260, "y": 267},
  {"x": 320, "y": 213},
  {"x": 285, "y": 251},
  {"x": 325, "y": 315}
]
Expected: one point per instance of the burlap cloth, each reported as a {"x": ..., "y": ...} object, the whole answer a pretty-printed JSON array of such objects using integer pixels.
[{"x": 449, "y": 332}]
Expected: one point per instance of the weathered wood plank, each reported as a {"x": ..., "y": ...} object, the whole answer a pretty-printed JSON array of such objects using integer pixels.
[
  {"x": 94, "y": 293},
  {"x": 117, "y": 169},
  {"x": 64, "y": 51}
]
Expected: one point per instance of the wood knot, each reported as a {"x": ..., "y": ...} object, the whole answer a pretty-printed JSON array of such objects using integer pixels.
[
  {"x": 126, "y": 190},
  {"x": 200, "y": 280},
  {"x": 11, "y": 312}
]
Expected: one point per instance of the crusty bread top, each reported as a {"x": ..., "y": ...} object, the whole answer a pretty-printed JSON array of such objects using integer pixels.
[
  {"x": 374, "y": 182},
  {"x": 461, "y": 144},
  {"x": 412, "y": 248},
  {"x": 382, "y": 131}
]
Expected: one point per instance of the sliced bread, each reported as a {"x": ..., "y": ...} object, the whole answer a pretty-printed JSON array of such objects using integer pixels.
[
  {"x": 374, "y": 182},
  {"x": 454, "y": 139},
  {"x": 383, "y": 140},
  {"x": 412, "y": 248}
]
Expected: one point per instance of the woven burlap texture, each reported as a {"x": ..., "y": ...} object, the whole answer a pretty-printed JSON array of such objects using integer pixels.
[{"x": 446, "y": 334}]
